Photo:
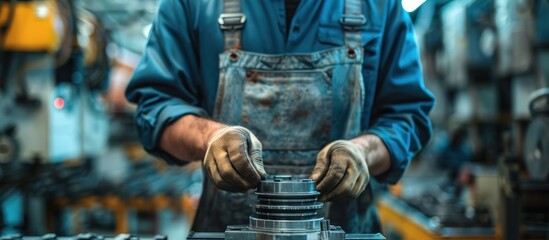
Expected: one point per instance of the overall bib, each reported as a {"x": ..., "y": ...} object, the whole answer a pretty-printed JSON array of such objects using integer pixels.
[{"x": 291, "y": 103}]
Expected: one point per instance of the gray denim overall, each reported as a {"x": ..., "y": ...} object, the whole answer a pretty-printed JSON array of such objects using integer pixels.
[{"x": 291, "y": 103}]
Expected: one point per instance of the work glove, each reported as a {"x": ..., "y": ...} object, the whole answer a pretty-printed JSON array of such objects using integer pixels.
[
  {"x": 341, "y": 172},
  {"x": 233, "y": 160}
]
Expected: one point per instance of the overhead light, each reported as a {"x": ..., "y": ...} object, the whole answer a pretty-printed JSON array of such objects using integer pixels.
[{"x": 411, "y": 5}]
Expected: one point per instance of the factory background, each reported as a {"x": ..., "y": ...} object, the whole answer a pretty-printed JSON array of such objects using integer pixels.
[{"x": 71, "y": 162}]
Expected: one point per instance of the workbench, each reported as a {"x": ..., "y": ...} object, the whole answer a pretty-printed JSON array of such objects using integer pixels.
[{"x": 399, "y": 217}]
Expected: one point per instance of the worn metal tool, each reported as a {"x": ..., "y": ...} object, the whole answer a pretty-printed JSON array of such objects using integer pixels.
[{"x": 286, "y": 208}]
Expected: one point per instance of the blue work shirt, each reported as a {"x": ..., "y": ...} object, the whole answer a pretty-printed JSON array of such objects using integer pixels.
[{"x": 179, "y": 71}]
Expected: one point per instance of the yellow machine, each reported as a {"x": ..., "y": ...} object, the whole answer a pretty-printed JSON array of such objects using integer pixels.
[{"x": 30, "y": 26}]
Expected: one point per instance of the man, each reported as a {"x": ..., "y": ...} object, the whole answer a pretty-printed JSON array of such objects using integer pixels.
[{"x": 334, "y": 93}]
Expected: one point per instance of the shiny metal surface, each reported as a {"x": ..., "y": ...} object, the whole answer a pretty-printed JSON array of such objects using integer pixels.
[
  {"x": 539, "y": 102},
  {"x": 284, "y": 198},
  {"x": 284, "y": 186},
  {"x": 314, "y": 205},
  {"x": 286, "y": 209},
  {"x": 278, "y": 215},
  {"x": 217, "y": 236},
  {"x": 285, "y": 225}
]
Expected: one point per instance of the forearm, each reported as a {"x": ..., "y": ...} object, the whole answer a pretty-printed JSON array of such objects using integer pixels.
[
  {"x": 377, "y": 156},
  {"x": 187, "y": 138}
]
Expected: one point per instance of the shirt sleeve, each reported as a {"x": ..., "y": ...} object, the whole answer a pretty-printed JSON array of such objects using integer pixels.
[
  {"x": 400, "y": 114},
  {"x": 163, "y": 84}
]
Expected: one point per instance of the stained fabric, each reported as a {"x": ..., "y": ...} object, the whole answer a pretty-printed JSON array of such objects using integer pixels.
[{"x": 179, "y": 71}]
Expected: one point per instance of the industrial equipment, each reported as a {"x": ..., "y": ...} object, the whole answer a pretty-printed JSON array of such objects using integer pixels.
[
  {"x": 525, "y": 177},
  {"x": 29, "y": 26},
  {"x": 83, "y": 236},
  {"x": 536, "y": 152},
  {"x": 286, "y": 208},
  {"x": 53, "y": 69},
  {"x": 514, "y": 21},
  {"x": 53, "y": 96},
  {"x": 428, "y": 218}
]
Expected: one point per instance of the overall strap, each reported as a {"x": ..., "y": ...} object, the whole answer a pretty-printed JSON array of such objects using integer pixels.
[
  {"x": 352, "y": 22},
  {"x": 231, "y": 21}
]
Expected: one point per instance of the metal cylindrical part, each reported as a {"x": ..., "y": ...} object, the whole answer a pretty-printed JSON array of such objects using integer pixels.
[
  {"x": 282, "y": 186},
  {"x": 325, "y": 229},
  {"x": 286, "y": 205},
  {"x": 286, "y": 209},
  {"x": 286, "y": 225}
]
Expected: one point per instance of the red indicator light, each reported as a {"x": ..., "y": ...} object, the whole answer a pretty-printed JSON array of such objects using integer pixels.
[{"x": 59, "y": 103}]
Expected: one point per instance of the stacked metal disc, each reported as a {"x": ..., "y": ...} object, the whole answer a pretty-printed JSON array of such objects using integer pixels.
[{"x": 286, "y": 204}]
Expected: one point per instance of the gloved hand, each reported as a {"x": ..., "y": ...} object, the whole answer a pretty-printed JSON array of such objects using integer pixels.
[
  {"x": 233, "y": 160},
  {"x": 341, "y": 171}
]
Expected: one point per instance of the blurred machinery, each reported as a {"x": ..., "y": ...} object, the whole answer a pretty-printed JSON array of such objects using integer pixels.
[
  {"x": 485, "y": 58},
  {"x": 51, "y": 77},
  {"x": 536, "y": 146},
  {"x": 524, "y": 161},
  {"x": 286, "y": 208},
  {"x": 433, "y": 216},
  {"x": 54, "y": 67},
  {"x": 68, "y": 163},
  {"x": 83, "y": 236},
  {"x": 525, "y": 177},
  {"x": 29, "y": 26},
  {"x": 468, "y": 56}
]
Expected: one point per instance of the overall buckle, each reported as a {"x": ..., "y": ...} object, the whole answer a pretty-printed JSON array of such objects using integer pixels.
[
  {"x": 352, "y": 22},
  {"x": 231, "y": 21}
]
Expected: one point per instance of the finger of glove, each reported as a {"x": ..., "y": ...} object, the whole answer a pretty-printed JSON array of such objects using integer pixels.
[
  {"x": 230, "y": 175},
  {"x": 322, "y": 165},
  {"x": 211, "y": 169},
  {"x": 237, "y": 148},
  {"x": 256, "y": 152},
  {"x": 364, "y": 177},
  {"x": 344, "y": 189},
  {"x": 341, "y": 192},
  {"x": 223, "y": 185},
  {"x": 336, "y": 172},
  {"x": 360, "y": 185},
  {"x": 215, "y": 175}
]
